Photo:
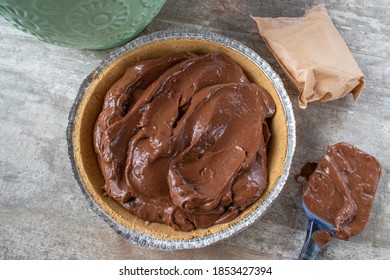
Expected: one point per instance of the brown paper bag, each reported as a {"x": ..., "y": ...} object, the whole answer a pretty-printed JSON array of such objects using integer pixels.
[{"x": 314, "y": 55}]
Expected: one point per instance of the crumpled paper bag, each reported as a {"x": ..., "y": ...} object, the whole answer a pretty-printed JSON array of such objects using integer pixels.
[{"x": 314, "y": 55}]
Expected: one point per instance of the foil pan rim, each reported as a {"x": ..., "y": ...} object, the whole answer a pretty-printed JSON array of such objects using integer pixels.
[{"x": 143, "y": 239}]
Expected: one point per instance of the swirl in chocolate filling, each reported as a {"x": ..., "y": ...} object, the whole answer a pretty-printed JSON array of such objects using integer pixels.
[{"x": 182, "y": 140}]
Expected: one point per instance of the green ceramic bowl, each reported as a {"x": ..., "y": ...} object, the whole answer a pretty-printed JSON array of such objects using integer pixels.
[{"x": 81, "y": 24}]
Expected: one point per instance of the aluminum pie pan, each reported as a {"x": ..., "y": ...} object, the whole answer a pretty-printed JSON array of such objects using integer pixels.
[{"x": 146, "y": 240}]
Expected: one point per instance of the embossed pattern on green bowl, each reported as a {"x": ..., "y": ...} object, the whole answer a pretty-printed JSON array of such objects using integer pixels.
[{"x": 81, "y": 24}]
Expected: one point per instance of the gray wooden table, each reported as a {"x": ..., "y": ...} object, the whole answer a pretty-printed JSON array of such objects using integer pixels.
[{"x": 43, "y": 214}]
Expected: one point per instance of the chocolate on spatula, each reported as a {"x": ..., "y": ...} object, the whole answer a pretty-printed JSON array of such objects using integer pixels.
[{"x": 341, "y": 190}]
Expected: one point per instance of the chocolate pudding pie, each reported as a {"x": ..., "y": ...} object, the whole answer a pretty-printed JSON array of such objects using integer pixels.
[{"x": 180, "y": 142}]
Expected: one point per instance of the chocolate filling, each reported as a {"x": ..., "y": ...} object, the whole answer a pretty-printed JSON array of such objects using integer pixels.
[
  {"x": 182, "y": 140},
  {"x": 342, "y": 188}
]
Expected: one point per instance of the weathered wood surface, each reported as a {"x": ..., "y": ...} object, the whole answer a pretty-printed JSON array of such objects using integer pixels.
[{"x": 43, "y": 214}]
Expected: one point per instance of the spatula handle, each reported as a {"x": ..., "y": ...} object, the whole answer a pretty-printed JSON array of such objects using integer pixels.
[{"x": 310, "y": 247}]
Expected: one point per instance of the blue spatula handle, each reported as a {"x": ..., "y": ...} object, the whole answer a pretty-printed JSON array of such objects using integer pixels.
[{"x": 310, "y": 247}]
